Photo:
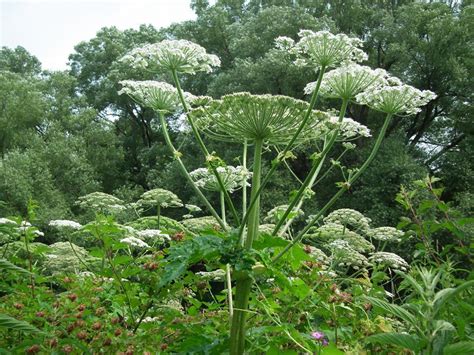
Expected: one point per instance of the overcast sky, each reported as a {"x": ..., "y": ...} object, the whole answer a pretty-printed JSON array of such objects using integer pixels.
[{"x": 49, "y": 29}]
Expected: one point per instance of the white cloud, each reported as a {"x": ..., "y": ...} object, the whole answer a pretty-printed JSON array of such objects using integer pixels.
[{"x": 49, "y": 29}]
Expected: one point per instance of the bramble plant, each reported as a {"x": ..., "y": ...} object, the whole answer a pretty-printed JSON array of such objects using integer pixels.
[{"x": 267, "y": 121}]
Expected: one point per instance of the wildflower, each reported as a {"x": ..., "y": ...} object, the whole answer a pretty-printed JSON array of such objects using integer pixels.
[
  {"x": 272, "y": 118},
  {"x": 233, "y": 178},
  {"x": 323, "y": 48},
  {"x": 344, "y": 255},
  {"x": 216, "y": 275},
  {"x": 63, "y": 223},
  {"x": 349, "y": 217},
  {"x": 72, "y": 297},
  {"x": 317, "y": 335},
  {"x": 348, "y": 128},
  {"x": 180, "y": 56},
  {"x": 399, "y": 99},
  {"x": 135, "y": 242},
  {"x": 330, "y": 232},
  {"x": 385, "y": 234},
  {"x": 274, "y": 215},
  {"x": 160, "y": 96},
  {"x": 7, "y": 221},
  {"x": 100, "y": 201},
  {"x": 192, "y": 208},
  {"x": 153, "y": 233},
  {"x": 348, "y": 81},
  {"x": 390, "y": 260},
  {"x": 160, "y": 197}
]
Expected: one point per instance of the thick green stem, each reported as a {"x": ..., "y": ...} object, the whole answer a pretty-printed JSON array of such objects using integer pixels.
[
  {"x": 339, "y": 193},
  {"x": 309, "y": 179},
  {"x": 287, "y": 148},
  {"x": 244, "y": 186},
  {"x": 222, "y": 199},
  {"x": 176, "y": 155},
  {"x": 203, "y": 148},
  {"x": 244, "y": 285}
]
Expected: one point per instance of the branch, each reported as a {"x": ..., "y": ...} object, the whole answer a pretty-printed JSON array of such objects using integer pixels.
[{"x": 453, "y": 143}]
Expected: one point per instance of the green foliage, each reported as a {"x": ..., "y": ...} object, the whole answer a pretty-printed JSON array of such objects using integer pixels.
[{"x": 15, "y": 324}]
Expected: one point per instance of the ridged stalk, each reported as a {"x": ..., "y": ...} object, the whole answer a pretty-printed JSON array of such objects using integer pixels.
[
  {"x": 185, "y": 172},
  {"x": 244, "y": 285}
]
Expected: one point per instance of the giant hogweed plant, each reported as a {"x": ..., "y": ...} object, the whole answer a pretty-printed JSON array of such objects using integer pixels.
[{"x": 268, "y": 121}]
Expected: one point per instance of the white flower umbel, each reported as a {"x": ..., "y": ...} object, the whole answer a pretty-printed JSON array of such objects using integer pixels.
[
  {"x": 274, "y": 215},
  {"x": 160, "y": 197},
  {"x": 233, "y": 178},
  {"x": 192, "y": 208},
  {"x": 135, "y": 242},
  {"x": 331, "y": 231},
  {"x": 242, "y": 116},
  {"x": 7, "y": 221},
  {"x": 399, "y": 99},
  {"x": 348, "y": 128},
  {"x": 101, "y": 202},
  {"x": 390, "y": 260},
  {"x": 216, "y": 275},
  {"x": 348, "y": 81},
  {"x": 349, "y": 217},
  {"x": 180, "y": 56},
  {"x": 323, "y": 48},
  {"x": 64, "y": 223},
  {"x": 343, "y": 255},
  {"x": 153, "y": 234},
  {"x": 388, "y": 234},
  {"x": 160, "y": 96}
]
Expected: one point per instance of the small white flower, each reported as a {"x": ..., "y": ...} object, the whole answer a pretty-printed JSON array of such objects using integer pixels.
[
  {"x": 385, "y": 234},
  {"x": 134, "y": 242}
]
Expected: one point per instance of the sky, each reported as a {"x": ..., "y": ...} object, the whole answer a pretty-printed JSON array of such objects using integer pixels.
[{"x": 49, "y": 29}]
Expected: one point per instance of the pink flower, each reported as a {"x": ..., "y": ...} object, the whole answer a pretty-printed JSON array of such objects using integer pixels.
[
  {"x": 318, "y": 335},
  {"x": 325, "y": 342}
]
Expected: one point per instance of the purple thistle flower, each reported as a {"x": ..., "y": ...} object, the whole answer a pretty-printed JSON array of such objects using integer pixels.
[
  {"x": 318, "y": 335},
  {"x": 325, "y": 342}
]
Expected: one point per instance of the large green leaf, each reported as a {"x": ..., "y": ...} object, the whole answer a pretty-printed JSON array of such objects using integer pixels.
[
  {"x": 461, "y": 348},
  {"x": 406, "y": 341},
  {"x": 394, "y": 309},
  {"x": 15, "y": 324},
  {"x": 6, "y": 265},
  {"x": 443, "y": 296}
]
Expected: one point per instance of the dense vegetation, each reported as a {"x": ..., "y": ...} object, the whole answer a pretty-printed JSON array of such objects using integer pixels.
[{"x": 145, "y": 270}]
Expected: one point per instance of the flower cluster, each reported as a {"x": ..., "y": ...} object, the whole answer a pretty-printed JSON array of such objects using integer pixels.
[
  {"x": 7, "y": 221},
  {"x": 216, "y": 275},
  {"x": 63, "y": 257},
  {"x": 320, "y": 337},
  {"x": 343, "y": 255},
  {"x": 275, "y": 214},
  {"x": 323, "y": 48},
  {"x": 332, "y": 231},
  {"x": 349, "y": 217},
  {"x": 64, "y": 223},
  {"x": 100, "y": 201},
  {"x": 158, "y": 95},
  {"x": 398, "y": 99},
  {"x": 198, "y": 224},
  {"x": 348, "y": 128},
  {"x": 180, "y": 56},
  {"x": 233, "y": 178},
  {"x": 348, "y": 81},
  {"x": 316, "y": 253},
  {"x": 154, "y": 234},
  {"x": 271, "y": 118},
  {"x": 160, "y": 197},
  {"x": 389, "y": 234},
  {"x": 390, "y": 260},
  {"x": 135, "y": 242}
]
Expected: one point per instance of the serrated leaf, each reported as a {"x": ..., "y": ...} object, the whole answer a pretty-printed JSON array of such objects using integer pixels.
[
  {"x": 15, "y": 324},
  {"x": 406, "y": 341},
  {"x": 6, "y": 265}
]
